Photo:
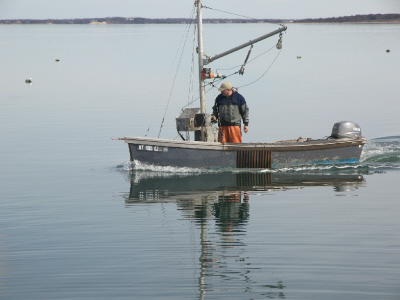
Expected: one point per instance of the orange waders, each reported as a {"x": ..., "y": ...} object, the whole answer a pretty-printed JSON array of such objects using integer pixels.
[{"x": 230, "y": 134}]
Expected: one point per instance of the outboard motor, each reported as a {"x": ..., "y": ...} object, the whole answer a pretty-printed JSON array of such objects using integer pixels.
[{"x": 346, "y": 129}]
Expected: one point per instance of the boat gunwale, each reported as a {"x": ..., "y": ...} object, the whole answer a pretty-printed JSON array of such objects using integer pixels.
[{"x": 289, "y": 145}]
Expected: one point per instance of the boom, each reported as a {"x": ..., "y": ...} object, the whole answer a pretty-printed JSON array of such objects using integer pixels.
[{"x": 251, "y": 42}]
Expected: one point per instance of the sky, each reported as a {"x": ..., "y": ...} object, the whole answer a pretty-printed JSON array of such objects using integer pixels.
[{"x": 259, "y": 9}]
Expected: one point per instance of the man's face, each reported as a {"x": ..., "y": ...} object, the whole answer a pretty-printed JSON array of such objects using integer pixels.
[{"x": 226, "y": 93}]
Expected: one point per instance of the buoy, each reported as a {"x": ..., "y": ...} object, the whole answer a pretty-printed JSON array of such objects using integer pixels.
[
  {"x": 29, "y": 80},
  {"x": 387, "y": 50}
]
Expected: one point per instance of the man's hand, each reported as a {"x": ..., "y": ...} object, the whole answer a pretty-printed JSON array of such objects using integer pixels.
[{"x": 246, "y": 129}]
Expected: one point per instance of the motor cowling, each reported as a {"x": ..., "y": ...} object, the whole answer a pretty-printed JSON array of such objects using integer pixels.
[{"x": 346, "y": 129}]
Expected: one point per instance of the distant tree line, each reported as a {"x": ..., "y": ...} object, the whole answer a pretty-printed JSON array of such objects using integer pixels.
[
  {"x": 356, "y": 19},
  {"x": 120, "y": 20}
]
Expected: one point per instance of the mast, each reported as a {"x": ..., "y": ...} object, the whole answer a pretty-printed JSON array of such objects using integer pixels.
[
  {"x": 204, "y": 60},
  {"x": 201, "y": 63}
]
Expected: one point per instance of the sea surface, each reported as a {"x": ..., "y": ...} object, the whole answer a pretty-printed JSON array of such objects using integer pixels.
[{"x": 78, "y": 220}]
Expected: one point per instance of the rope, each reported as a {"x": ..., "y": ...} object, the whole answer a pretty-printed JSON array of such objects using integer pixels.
[
  {"x": 263, "y": 73},
  {"x": 212, "y": 84},
  {"x": 249, "y": 61},
  {"x": 169, "y": 73},
  {"x": 229, "y": 13},
  {"x": 191, "y": 83},
  {"x": 226, "y": 12},
  {"x": 199, "y": 97},
  {"x": 173, "y": 83}
]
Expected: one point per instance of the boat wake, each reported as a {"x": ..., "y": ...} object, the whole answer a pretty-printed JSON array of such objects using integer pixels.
[
  {"x": 382, "y": 152},
  {"x": 139, "y": 166}
]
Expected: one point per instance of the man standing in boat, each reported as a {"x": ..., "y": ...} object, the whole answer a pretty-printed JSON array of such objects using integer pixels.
[{"x": 229, "y": 109}]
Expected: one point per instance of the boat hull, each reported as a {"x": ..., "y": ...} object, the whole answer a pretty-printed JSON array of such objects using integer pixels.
[
  {"x": 184, "y": 157},
  {"x": 249, "y": 155},
  {"x": 340, "y": 155}
]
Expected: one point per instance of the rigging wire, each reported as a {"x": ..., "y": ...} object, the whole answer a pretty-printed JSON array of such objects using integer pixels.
[
  {"x": 191, "y": 85},
  {"x": 249, "y": 60},
  {"x": 212, "y": 87},
  {"x": 263, "y": 73},
  {"x": 191, "y": 81},
  {"x": 213, "y": 84},
  {"x": 176, "y": 73},
  {"x": 169, "y": 73},
  {"x": 229, "y": 13}
]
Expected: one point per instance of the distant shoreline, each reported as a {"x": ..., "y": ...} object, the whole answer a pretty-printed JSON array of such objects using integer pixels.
[{"x": 361, "y": 19}]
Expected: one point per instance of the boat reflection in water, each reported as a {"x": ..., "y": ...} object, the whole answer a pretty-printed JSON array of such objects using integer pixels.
[
  {"x": 218, "y": 205},
  {"x": 152, "y": 186}
]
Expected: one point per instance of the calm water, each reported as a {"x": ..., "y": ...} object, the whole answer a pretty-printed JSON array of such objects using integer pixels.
[{"x": 78, "y": 221}]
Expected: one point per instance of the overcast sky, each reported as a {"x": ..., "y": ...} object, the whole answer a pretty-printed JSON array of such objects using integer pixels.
[{"x": 274, "y": 9}]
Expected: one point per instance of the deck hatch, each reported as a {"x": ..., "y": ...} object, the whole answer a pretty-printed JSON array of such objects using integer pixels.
[{"x": 254, "y": 159}]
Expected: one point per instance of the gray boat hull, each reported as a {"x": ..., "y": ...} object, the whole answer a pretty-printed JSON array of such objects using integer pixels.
[{"x": 250, "y": 155}]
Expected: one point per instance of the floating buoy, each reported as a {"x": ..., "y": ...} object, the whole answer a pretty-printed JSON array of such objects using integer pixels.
[
  {"x": 387, "y": 50},
  {"x": 29, "y": 80},
  {"x": 57, "y": 60}
]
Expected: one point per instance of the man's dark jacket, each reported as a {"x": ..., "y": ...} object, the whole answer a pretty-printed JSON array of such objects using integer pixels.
[{"x": 231, "y": 110}]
